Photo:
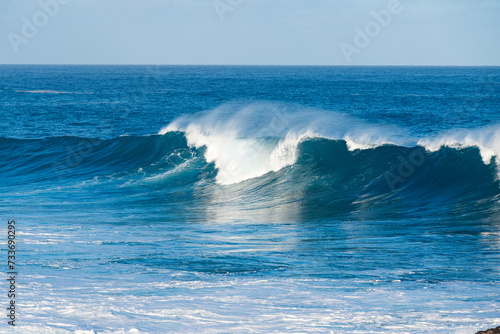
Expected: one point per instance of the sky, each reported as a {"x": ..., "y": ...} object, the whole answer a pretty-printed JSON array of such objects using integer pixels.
[{"x": 251, "y": 32}]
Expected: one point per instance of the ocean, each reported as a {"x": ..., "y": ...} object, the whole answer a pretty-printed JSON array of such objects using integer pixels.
[{"x": 251, "y": 199}]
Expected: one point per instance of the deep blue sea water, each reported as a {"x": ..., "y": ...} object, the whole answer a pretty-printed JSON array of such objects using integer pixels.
[{"x": 225, "y": 199}]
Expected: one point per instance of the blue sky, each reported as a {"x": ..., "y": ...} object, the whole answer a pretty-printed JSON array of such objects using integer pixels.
[{"x": 254, "y": 32}]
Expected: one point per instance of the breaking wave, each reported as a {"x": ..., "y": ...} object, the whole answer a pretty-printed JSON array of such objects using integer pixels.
[{"x": 261, "y": 156}]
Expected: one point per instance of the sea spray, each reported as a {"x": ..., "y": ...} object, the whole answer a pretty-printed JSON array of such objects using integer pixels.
[{"x": 249, "y": 140}]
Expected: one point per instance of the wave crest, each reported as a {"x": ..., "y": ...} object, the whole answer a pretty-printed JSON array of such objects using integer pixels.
[
  {"x": 487, "y": 139},
  {"x": 247, "y": 141}
]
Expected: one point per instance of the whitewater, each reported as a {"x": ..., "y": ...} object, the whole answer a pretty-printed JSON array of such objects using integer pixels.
[{"x": 249, "y": 141}]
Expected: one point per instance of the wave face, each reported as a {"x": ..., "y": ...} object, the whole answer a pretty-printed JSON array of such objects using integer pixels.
[
  {"x": 305, "y": 163},
  {"x": 251, "y": 140}
]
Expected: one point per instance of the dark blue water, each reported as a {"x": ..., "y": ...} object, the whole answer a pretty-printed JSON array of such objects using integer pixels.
[{"x": 192, "y": 199}]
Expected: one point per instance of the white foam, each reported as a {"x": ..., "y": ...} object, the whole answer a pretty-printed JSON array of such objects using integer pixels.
[
  {"x": 238, "y": 159},
  {"x": 171, "y": 172},
  {"x": 486, "y": 139},
  {"x": 253, "y": 305},
  {"x": 45, "y": 91},
  {"x": 251, "y": 140}
]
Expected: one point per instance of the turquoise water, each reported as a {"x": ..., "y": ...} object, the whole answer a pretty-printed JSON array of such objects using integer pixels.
[{"x": 193, "y": 199}]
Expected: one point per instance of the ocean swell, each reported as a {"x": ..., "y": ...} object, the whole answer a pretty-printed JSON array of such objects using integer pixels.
[{"x": 258, "y": 157}]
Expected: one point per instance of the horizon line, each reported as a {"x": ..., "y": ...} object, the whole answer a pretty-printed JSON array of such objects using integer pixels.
[{"x": 249, "y": 65}]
